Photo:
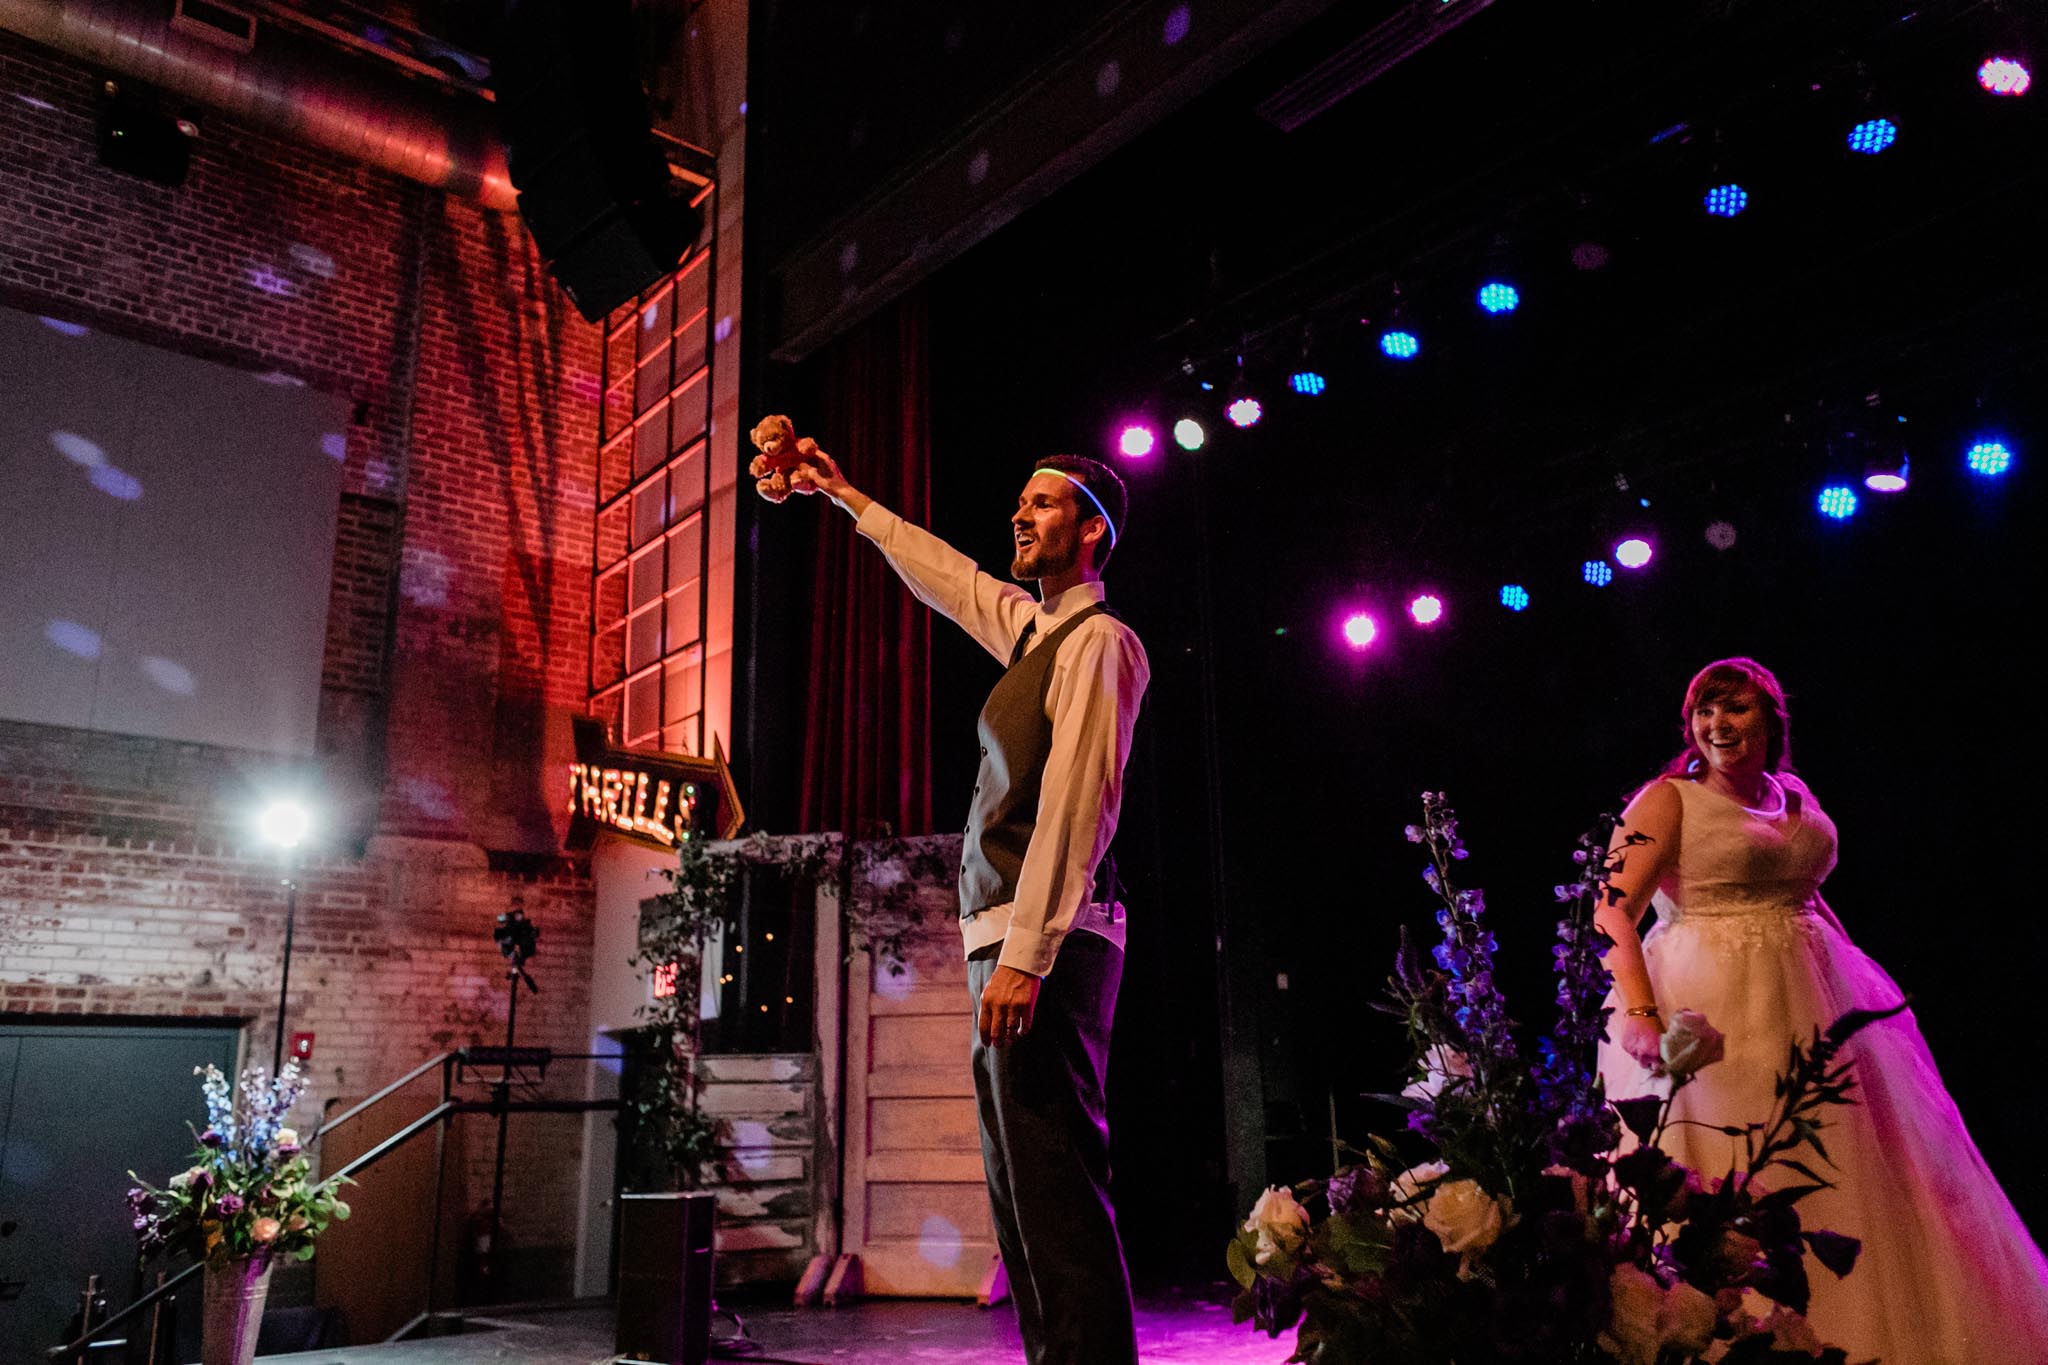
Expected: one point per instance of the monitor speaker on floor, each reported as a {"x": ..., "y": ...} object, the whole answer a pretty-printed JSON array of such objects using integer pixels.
[{"x": 665, "y": 1277}]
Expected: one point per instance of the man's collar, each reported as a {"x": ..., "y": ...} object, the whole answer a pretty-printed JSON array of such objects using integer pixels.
[{"x": 1080, "y": 597}]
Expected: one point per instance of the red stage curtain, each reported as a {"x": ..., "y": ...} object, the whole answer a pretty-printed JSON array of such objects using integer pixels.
[{"x": 867, "y": 744}]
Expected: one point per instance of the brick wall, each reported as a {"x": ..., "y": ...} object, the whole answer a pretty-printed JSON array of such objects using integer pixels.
[{"x": 457, "y": 628}]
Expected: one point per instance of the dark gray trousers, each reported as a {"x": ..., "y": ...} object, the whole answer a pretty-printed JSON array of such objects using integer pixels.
[{"x": 1045, "y": 1145}]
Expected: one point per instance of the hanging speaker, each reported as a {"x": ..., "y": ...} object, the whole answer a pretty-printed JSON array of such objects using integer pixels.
[
  {"x": 665, "y": 1276},
  {"x": 605, "y": 211}
]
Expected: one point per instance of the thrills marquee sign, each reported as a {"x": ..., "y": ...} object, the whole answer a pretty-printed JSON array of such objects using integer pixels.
[{"x": 655, "y": 799}]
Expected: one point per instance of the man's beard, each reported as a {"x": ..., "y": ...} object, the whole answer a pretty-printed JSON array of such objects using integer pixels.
[{"x": 1039, "y": 562}]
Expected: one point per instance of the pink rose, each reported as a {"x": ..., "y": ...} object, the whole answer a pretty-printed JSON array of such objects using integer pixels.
[{"x": 265, "y": 1230}]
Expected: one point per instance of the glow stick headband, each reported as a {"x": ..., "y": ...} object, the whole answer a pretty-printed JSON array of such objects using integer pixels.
[{"x": 1102, "y": 511}]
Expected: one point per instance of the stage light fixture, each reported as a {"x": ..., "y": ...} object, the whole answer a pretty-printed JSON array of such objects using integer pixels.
[
  {"x": 1988, "y": 458},
  {"x": 1872, "y": 136},
  {"x": 1189, "y": 434},
  {"x": 1428, "y": 609},
  {"x": 284, "y": 824},
  {"x": 1245, "y": 412},
  {"x": 1399, "y": 345},
  {"x": 1725, "y": 201},
  {"x": 2004, "y": 76},
  {"x": 1888, "y": 476},
  {"x": 1633, "y": 553},
  {"x": 1136, "y": 441},
  {"x": 1307, "y": 383},
  {"x": 1837, "y": 502},
  {"x": 1598, "y": 572},
  {"x": 1498, "y": 297},
  {"x": 1360, "y": 630},
  {"x": 1721, "y": 534},
  {"x": 1514, "y": 597}
]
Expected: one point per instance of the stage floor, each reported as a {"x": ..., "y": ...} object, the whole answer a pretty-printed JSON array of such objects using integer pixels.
[{"x": 899, "y": 1332}]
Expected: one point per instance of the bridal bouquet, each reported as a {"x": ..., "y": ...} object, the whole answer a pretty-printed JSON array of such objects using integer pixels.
[
  {"x": 248, "y": 1194},
  {"x": 1534, "y": 1233}
]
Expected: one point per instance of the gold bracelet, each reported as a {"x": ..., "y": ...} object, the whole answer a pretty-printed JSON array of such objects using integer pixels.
[{"x": 1642, "y": 1012}]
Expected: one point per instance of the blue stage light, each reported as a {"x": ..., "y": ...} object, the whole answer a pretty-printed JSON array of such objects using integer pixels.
[
  {"x": 1307, "y": 382},
  {"x": 1988, "y": 458},
  {"x": 1496, "y": 297},
  {"x": 1838, "y": 502},
  {"x": 1725, "y": 201},
  {"x": 1399, "y": 345},
  {"x": 1873, "y": 135},
  {"x": 1515, "y": 597},
  {"x": 1598, "y": 572}
]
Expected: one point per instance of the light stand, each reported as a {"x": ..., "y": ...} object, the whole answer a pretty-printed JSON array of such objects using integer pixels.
[
  {"x": 291, "y": 914},
  {"x": 284, "y": 824},
  {"x": 518, "y": 939}
]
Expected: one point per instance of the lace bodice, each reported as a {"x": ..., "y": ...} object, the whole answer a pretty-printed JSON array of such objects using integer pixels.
[{"x": 1733, "y": 860}]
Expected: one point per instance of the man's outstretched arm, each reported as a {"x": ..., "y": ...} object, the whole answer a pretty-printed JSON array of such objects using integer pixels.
[{"x": 950, "y": 583}]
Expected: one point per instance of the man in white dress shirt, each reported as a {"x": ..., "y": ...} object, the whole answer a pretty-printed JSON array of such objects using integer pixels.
[{"x": 1040, "y": 922}]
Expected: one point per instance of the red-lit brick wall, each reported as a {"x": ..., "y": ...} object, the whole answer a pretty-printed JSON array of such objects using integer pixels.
[{"x": 458, "y": 628}]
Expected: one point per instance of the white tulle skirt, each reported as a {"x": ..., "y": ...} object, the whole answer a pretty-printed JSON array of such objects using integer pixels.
[{"x": 1948, "y": 1274}]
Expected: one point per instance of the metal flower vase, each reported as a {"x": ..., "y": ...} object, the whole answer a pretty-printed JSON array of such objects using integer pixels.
[{"x": 234, "y": 1310}]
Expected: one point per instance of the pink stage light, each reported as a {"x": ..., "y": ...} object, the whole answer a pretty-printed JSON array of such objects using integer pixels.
[
  {"x": 1632, "y": 553},
  {"x": 1137, "y": 441},
  {"x": 2005, "y": 76},
  {"x": 1427, "y": 609},
  {"x": 1245, "y": 412},
  {"x": 1360, "y": 630}
]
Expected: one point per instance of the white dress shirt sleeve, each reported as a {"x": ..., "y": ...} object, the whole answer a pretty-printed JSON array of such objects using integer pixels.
[
  {"x": 992, "y": 611},
  {"x": 1097, "y": 685}
]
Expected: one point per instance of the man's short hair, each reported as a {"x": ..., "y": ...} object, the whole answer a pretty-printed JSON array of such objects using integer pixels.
[{"x": 1108, "y": 489}]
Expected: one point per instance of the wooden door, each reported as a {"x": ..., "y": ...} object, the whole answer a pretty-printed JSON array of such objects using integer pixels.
[{"x": 916, "y": 1202}]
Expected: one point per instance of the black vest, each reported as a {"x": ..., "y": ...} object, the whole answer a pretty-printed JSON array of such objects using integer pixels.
[{"x": 1016, "y": 740}]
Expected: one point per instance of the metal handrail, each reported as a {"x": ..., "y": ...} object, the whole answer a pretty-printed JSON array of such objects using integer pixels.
[
  {"x": 403, "y": 1135},
  {"x": 329, "y": 1125},
  {"x": 447, "y": 1108}
]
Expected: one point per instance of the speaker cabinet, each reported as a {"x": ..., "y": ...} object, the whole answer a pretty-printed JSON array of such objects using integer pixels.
[
  {"x": 606, "y": 212},
  {"x": 665, "y": 1277}
]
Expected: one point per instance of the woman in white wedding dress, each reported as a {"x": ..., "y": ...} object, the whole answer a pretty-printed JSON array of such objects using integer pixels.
[{"x": 1948, "y": 1274}]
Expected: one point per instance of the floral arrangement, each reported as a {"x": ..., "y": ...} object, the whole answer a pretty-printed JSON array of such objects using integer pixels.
[
  {"x": 249, "y": 1191},
  {"x": 1535, "y": 1233}
]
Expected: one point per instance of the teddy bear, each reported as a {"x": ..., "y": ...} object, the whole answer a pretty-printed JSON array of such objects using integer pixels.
[{"x": 781, "y": 453}]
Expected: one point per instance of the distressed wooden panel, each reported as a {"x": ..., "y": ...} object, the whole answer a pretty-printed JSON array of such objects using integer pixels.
[
  {"x": 907, "y": 1167},
  {"x": 922, "y": 1125},
  {"x": 741, "y": 1203},
  {"x": 933, "y": 1040},
  {"x": 774, "y": 1066},
  {"x": 928, "y": 1211},
  {"x": 950, "y": 1082},
  {"x": 755, "y": 1101},
  {"x": 755, "y": 1165},
  {"x": 750, "y": 1133},
  {"x": 763, "y": 1236}
]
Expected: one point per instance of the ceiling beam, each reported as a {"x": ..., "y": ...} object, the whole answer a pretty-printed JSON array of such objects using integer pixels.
[{"x": 1136, "y": 66}]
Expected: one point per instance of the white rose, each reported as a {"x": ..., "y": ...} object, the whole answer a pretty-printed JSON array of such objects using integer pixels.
[
  {"x": 1791, "y": 1332},
  {"x": 1689, "y": 1043},
  {"x": 1465, "y": 1218},
  {"x": 1686, "y": 1319},
  {"x": 1280, "y": 1222},
  {"x": 1411, "y": 1183},
  {"x": 1634, "y": 1300},
  {"x": 1439, "y": 1065},
  {"x": 287, "y": 1137}
]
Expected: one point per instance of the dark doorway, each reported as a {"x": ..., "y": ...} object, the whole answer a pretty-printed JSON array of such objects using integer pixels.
[{"x": 80, "y": 1106}]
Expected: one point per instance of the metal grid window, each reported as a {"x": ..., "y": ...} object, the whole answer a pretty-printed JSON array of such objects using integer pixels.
[{"x": 654, "y": 489}]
